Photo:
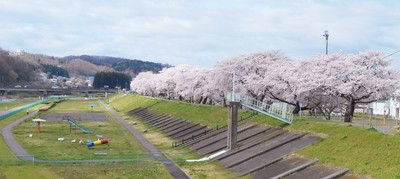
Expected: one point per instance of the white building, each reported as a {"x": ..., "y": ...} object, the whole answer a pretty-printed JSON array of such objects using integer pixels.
[
  {"x": 392, "y": 108},
  {"x": 377, "y": 107},
  {"x": 17, "y": 52},
  {"x": 386, "y": 107}
]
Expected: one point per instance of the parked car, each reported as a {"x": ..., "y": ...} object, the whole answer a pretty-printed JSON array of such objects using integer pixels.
[
  {"x": 18, "y": 86},
  {"x": 335, "y": 113}
]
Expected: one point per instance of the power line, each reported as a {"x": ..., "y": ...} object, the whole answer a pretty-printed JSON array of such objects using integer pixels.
[{"x": 392, "y": 54}]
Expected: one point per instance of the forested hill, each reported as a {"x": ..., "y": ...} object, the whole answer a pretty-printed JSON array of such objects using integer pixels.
[
  {"x": 120, "y": 64},
  {"x": 21, "y": 67}
]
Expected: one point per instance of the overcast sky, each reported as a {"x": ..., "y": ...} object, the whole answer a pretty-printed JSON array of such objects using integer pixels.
[{"x": 198, "y": 32}]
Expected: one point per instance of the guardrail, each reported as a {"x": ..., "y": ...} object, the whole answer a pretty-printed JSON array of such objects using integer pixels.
[{"x": 275, "y": 110}]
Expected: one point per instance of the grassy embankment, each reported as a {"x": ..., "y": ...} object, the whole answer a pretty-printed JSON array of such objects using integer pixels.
[
  {"x": 122, "y": 145},
  {"x": 5, "y": 106},
  {"x": 194, "y": 113},
  {"x": 363, "y": 151}
]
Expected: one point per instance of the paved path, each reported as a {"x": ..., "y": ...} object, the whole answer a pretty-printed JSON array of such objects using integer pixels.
[
  {"x": 12, "y": 144},
  {"x": 171, "y": 167}
]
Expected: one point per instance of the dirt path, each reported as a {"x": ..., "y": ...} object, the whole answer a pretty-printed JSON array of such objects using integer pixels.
[{"x": 171, "y": 167}]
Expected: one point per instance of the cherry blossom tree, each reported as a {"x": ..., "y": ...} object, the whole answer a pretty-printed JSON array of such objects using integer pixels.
[
  {"x": 360, "y": 78},
  {"x": 248, "y": 72},
  {"x": 321, "y": 82},
  {"x": 282, "y": 84},
  {"x": 145, "y": 83}
]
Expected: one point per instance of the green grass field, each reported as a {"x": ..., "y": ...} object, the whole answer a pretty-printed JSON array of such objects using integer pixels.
[{"x": 47, "y": 147}]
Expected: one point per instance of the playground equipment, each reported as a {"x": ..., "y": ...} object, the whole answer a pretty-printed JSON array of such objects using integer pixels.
[
  {"x": 98, "y": 142},
  {"x": 38, "y": 121},
  {"x": 92, "y": 105},
  {"x": 67, "y": 119}
]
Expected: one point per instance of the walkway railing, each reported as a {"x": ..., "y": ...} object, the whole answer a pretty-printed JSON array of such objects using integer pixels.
[
  {"x": 275, "y": 110},
  {"x": 21, "y": 108}
]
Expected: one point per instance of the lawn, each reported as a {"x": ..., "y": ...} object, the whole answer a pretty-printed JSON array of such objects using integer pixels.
[{"x": 47, "y": 147}]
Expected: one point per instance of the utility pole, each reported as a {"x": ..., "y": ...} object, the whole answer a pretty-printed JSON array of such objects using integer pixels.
[{"x": 326, "y": 35}]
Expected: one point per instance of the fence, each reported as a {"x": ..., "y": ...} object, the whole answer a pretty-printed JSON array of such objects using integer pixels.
[
  {"x": 380, "y": 123},
  {"x": 97, "y": 158},
  {"x": 20, "y": 109}
]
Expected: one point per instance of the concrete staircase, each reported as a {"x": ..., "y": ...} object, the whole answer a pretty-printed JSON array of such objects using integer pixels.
[{"x": 262, "y": 152}]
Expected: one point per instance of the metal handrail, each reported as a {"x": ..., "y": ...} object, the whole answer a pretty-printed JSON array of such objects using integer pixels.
[{"x": 275, "y": 110}]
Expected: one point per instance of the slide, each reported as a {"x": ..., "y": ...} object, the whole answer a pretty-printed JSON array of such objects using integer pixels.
[{"x": 78, "y": 126}]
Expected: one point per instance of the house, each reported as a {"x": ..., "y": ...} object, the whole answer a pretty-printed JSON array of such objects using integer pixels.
[
  {"x": 386, "y": 107},
  {"x": 392, "y": 107},
  {"x": 377, "y": 107}
]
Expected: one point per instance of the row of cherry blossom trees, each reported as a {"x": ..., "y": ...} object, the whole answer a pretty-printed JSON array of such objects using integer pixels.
[{"x": 323, "y": 82}]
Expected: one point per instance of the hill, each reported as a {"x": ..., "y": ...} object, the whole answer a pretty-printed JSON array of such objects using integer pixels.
[
  {"x": 42, "y": 68},
  {"x": 131, "y": 66}
]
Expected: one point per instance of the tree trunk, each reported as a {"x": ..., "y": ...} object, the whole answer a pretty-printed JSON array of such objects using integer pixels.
[
  {"x": 348, "y": 116},
  {"x": 296, "y": 109}
]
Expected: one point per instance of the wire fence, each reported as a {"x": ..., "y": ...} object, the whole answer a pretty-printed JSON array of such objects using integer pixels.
[
  {"x": 386, "y": 125},
  {"x": 97, "y": 158}
]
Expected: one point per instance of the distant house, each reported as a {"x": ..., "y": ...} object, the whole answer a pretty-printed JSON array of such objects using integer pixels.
[
  {"x": 389, "y": 107},
  {"x": 377, "y": 107},
  {"x": 17, "y": 52},
  {"x": 392, "y": 107},
  {"x": 89, "y": 82}
]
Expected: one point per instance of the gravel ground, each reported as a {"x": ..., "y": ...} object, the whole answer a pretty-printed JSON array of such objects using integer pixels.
[{"x": 54, "y": 117}]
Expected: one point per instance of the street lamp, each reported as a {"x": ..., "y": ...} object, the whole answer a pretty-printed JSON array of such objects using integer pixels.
[{"x": 326, "y": 35}]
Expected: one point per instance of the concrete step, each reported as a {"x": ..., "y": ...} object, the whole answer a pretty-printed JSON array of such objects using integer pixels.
[
  {"x": 196, "y": 135},
  {"x": 179, "y": 126},
  {"x": 255, "y": 151},
  {"x": 222, "y": 144},
  {"x": 217, "y": 138},
  {"x": 317, "y": 172},
  {"x": 158, "y": 118},
  {"x": 273, "y": 155},
  {"x": 274, "y": 132},
  {"x": 166, "y": 126},
  {"x": 182, "y": 129},
  {"x": 161, "y": 121},
  {"x": 283, "y": 167},
  {"x": 192, "y": 130}
]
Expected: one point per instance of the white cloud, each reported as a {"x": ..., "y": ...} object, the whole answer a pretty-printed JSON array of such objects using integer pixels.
[{"x": 197, "y": 32}]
